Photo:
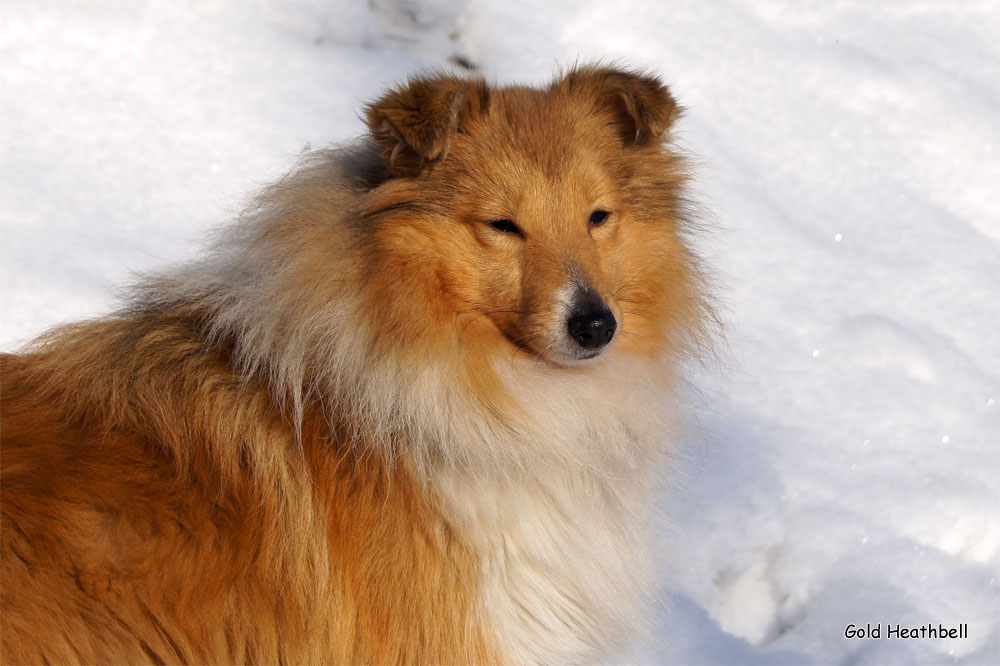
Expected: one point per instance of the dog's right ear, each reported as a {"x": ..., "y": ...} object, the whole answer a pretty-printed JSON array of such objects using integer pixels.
[{"x": 416, "y": 123}]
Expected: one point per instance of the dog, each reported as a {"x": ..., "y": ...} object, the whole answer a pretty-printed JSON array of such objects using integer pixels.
[{"x": 409, "y": 408}]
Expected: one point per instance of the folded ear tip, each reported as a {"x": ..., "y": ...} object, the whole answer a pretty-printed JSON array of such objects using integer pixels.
[
  {"x": 642, "y": 101},
  {"x": 416, "y": 122}
]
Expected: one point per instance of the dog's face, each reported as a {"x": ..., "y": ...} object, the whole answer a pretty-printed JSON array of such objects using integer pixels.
[{"x": 548, "y": 216}]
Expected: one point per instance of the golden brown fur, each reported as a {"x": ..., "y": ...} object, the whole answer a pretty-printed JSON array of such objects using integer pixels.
[
  {"x": 119, "y": 548},
  {"x": 312, "y": 445}
]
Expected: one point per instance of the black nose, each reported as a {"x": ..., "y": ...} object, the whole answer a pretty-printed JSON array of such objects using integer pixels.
[{"x": 592, "y": 329}]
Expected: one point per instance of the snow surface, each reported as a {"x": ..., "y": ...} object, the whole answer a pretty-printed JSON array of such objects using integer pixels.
[{"x": 844, "y": 464}]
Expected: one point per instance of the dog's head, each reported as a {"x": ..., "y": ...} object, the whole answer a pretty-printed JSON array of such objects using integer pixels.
[{"x": 546, "y": 216}]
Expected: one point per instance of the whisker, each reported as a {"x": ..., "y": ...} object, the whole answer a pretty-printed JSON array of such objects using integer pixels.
[
  {"x": 486, "y": 314},
  {"x": 627, "y": 282},
  {"x": 519, "y": 346},
  {"x": 540, "y": 355},
  {"x": 525, "y": 337}
]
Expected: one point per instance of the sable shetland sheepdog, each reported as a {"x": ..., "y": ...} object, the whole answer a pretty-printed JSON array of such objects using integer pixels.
[{"x": 409, "y": 408}]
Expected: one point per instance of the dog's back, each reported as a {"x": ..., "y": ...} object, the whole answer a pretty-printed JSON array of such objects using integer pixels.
[{"x": 115, "y": 550}]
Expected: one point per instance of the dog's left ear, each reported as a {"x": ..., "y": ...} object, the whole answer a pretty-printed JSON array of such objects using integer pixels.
[
  {"x": 643, "y": 107},
  {"x": 417, "y": 122}
]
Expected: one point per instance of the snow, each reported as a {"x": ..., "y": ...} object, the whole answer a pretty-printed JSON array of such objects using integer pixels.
[{"x": 843, "y": 464}]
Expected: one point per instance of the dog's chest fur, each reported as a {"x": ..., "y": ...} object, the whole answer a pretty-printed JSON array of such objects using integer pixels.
[
  {"x": 563, "y": 567},
  {"x": 563, "y": 549}
]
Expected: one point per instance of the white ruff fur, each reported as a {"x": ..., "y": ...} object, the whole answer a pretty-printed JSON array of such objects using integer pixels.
[
  {"x": 555, "y": 497},
  {"x": 563, "y": 548}
]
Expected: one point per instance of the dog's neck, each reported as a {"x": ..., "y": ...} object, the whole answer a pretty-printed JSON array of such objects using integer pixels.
[{"x": 563, "y": 547}]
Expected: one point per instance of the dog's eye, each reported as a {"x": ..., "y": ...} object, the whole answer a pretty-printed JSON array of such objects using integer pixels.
[
  {"x": 506, "y": 226},
  {"x": 598, "y": 217}
]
